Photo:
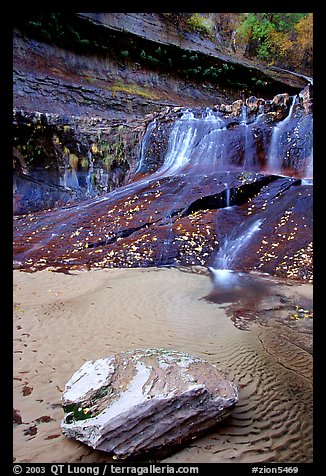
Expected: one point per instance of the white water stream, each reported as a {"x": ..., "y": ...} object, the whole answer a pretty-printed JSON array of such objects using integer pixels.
[
  {"x": 275, "y": 156},
  {"x": 232, "y": 246},
  {"x": 224, "y": 276}
]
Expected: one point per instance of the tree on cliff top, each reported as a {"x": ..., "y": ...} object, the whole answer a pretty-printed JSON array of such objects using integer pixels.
[{"x": 283, "y": 39}]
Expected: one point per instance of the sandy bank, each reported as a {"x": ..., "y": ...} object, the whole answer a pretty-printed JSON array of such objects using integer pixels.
[{"x": 61, "y": 321}]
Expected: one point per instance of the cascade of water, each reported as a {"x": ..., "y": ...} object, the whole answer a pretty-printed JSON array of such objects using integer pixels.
[
  {"x": 69, "y": 179},
  {"x": 89, "y": 158},
  {"x": 249, "y": 158},
  {"x": 274, "y": 156},
  {"x": 228, "y": 195},
  {"x": 224, "y": 276},
  {"x": 143, "y": 146},
  {"x": 197, "y": 140},
  {"x": 249, "y": 145},
  {"x": 89, "y": 173},
  {"x": 309, "y": 166},
  {"x": 244, "y": 116},
  {"x": 204, "y": 141},
  {"x": 181, "y": 144},
  {"x": 227, "y": 191},
  {"x": 231, "y": 247},
  {"x": 193, "y": 139}
]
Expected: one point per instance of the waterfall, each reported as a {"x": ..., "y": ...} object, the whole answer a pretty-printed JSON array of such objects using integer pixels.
[
  {"x": 231, "y": 247},
  {"x": 90, "y": 173},
  {"x": 90, "y": 159},
  {"x": 204, "y": 140},
  {"x": 247, "y": 136},
  {"x": 181, "y": 144},
  {"x": 201, "y": 143},
  {"x": 208, "y": 144},
  {"x": 228, "y": 195},
  {"x": 143, "y": 146},
  {"x": 274, "y": 157},
  {"x": 227, "y": 191},
  {"x": 193, "y": 139},
  {"x": 309, "y": 165},
  {"x": 250, "y": 157},
  {"x": 69, "y": 179},
  {"x": 223, "y": 274},
  {"x": 249, "y": 144}
]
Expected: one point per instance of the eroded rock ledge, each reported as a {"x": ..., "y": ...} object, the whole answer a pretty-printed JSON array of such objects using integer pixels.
[{"x": 143, "y": 401}]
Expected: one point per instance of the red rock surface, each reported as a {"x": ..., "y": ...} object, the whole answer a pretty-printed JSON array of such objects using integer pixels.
[{"x": 176, "y": 220}]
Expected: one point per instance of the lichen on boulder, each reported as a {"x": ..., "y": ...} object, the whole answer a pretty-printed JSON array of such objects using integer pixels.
[{"x": 142, "y": 401}]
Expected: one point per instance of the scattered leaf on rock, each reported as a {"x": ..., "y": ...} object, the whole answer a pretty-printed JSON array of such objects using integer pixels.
[
  {"x": 16, "y": 418},
  {"x": 51, "y": 437},
  {"x": 27, "y": 390},
  {"x": 44, "y": 419},
  {"x": 31, "y": 431}
]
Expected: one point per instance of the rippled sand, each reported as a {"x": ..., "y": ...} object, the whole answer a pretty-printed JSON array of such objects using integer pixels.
[{"x": 60, "y": 321}]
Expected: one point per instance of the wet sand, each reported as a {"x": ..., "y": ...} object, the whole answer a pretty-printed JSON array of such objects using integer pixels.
[{"x": 61, "y": 321}]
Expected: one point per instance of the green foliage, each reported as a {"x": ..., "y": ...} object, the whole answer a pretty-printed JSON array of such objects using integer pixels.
[
  {"x": 108, "y": 162},
  {"x": 303, "y": 51},
  {"x": 84, "y": 163},
  {"x": 118, "y": 150},
  {"x": 57, "y": 28},
  {"x": 73, "y": 161},
  {"x": 218, "y": 72},
  {"x": 152, "y": 59},
  {"x": 133, "y": 89},
  {"x": 212, "y": 72},
  {"x": 258, "y": 82},
  {"x": 76, "y": 413},
  {"x": 194, "y": 57},
  {"x": 271, "y": 36},
  {"x": 158, "y": 51},
  {"x": 200, "y": 24},
  {"x": 285, "y": 22},
  {"x": 105, "y": 146},
  {"x": 32, "y": 152},
  {"x": 114, "y": 153},
  {"x": 191, "y": 71},
  {"x": 281, "y": 38},
  {"x": 148, "y": 58}
]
